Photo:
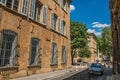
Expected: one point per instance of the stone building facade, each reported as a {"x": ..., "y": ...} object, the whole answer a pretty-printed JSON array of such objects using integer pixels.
[
  {"x": 34, "y": 37},
  {"x": 115, "y": 24},
  {"x": 92, "y": 45}
]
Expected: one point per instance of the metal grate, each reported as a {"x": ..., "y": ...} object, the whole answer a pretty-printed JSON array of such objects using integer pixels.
[{"x": 6, "y": 47}]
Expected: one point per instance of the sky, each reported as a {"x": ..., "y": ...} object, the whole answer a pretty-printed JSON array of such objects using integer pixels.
[{"x": 94, "y": 13}]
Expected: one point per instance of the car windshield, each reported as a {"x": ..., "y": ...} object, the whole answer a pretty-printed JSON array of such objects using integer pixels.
[{"x": 96, "y": 65}]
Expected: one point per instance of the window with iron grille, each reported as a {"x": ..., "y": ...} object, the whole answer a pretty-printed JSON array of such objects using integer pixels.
[
  {"x": 35, "y": 52},
  {"x": 54, "y": 56},
  {"x": 63, "y": 54},
  {"x": 8, "y": 48},
  {"x": 53, "y": 21},
  {"x": 12, "y": 4}
]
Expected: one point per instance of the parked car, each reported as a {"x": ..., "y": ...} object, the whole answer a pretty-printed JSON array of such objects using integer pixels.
[{"x": 96, "y": 68}]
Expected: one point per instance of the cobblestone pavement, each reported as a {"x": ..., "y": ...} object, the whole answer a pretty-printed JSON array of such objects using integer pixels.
[{"x": 85, "y": 76}]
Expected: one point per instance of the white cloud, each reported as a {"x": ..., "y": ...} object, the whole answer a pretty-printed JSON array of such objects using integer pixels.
[
  {"x": 93, "y": 31},
  {"x": 72, "y": 8},
  {"x": 99, "y": 25}
]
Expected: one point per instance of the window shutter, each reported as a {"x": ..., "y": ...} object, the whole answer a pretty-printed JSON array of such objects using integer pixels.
[
  {"x": 44, "y": 15},
  {"x": 58, "y": 24},
  {"x": 13, "y": 57},
  {"x": 37, "y": 58},
  {"x": 52, "y": 20},
  {"x": 32, "y": 8}
]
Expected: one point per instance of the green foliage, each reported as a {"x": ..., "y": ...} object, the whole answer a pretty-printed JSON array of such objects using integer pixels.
[
  {"x": 104, "y": 42},
  {"x": 84, "y": 52},
  {"x": 79, "y": 41}
]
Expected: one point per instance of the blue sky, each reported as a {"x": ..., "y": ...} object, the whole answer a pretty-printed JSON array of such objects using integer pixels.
[{"x": 94, "y": 13}]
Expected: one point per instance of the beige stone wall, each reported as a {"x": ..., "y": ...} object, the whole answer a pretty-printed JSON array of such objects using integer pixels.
[
  {"x": 92, "y": 47},
  {"x": 28, "y": 28}
]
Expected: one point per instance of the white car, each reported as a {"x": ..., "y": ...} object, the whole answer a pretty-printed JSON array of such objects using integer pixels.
[{"x": 96, "y": 68}]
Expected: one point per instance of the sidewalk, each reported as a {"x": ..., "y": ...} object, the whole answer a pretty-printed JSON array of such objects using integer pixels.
[{"x": 51, "y": 75}]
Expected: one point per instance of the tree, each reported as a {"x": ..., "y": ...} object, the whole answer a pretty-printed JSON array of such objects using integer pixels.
[
  {"x": 104, "y": 42},
  {"x": 79, "y": 41}
]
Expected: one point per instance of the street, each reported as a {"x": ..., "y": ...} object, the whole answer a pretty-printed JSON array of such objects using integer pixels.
[{"x": 85, "y": 76}]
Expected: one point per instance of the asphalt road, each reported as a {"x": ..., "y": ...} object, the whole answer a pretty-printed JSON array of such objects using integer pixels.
[{"x": 85, "y": 76}]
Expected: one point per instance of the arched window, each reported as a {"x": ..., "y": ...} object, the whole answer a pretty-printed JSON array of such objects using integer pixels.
[{"x": 8, "y": 48}]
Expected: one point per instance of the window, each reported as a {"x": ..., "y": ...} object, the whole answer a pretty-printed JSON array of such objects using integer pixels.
[
  {"x": 63, "y": 54},
  {"x": 59, "y": 25},
  {"x": 37, "y": 12},
  {"x": 53, "y": 21},
  {"x": 12, "y": 4},
  {"x": 63, "y": 3},
  {"x": 67, "y": 7},
  {"x": 62, "y": 27},
  {"x": 24, "y": 7},
  {"x": 54, "y": 56},
  {"x": 44, "y": 15},
  {"x": 8, "y": 48},
  {"x": 66, "y": 29},
  {"x": 15, "y": 6},
  {"x": 35, "y": 52},
  {"x": 3, "y": 2},
  {"x": 56, "y": 1},
  {"x": 32, "y": 8}
]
